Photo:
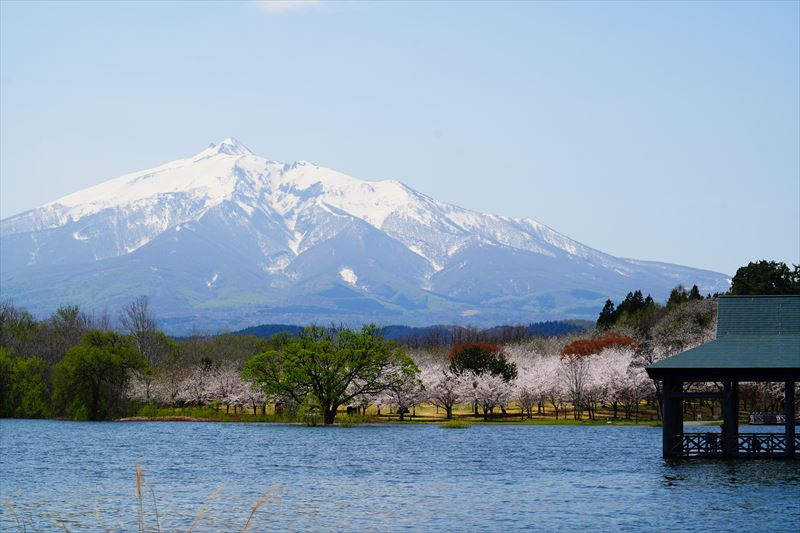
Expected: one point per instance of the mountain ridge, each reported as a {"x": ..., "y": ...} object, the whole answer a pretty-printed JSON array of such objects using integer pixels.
[{"x": 229, "y": 235}]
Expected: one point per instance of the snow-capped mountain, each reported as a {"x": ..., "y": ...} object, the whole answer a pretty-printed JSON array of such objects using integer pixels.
[{"x": 227, "y": 238}]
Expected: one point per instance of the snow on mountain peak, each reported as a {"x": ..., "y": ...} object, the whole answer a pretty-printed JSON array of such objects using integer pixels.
[
  {"x": 228, "y": 146},
  {"x": 231, "y": 146},
  {"x": 274, "y": 232},
  {"x": 185, "y": 189}
]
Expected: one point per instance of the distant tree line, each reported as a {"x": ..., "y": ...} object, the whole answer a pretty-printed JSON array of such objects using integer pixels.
[
  {"x": 443, "y": 335},
  {"x": 73, "y": 365},
  {"x": 642, "y": 312}
]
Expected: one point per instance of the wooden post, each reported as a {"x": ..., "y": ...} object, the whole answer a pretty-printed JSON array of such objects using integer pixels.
[
  {"x": 730, "y": 417},
  {"x": 671, "y": 417},
  {"x": 788, "y": 413}
]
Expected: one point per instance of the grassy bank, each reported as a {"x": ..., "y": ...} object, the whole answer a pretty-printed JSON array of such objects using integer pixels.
[{"x": 421, "y": 415}]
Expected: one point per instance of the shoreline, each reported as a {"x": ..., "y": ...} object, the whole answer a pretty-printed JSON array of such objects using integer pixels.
[{"x": 379, "y": 422}]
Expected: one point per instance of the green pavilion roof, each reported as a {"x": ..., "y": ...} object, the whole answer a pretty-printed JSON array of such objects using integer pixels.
[{"x": 758, "y": 338}]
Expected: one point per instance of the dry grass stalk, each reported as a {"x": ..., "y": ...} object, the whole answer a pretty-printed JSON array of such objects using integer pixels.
[
  {"x": 204, "y": 509},
  {"x": 139, "y": 481},
  {"x": 96, "y": 512},
  {"x": 259, "y": 502},
  {"x": 8, "y": 505},
  {"x": 155, "y": 508}
]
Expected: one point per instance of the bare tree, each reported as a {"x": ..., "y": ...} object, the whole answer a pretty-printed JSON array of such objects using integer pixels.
[{"x": 137, "y": 320}]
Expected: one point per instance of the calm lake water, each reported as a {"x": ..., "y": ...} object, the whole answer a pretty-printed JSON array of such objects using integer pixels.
[{"x": 81, "y": 476}]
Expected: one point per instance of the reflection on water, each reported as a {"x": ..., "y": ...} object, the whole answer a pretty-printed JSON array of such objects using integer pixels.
[
  {"x": 377, "y": 478},
  {"x": 735, "y": 473}
]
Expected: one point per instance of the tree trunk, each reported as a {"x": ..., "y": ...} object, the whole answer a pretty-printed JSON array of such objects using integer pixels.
[
  {"x": 449, "y": 411},
  {"x": 95, "y": 402},
  {"x": 330, "y": 415}
]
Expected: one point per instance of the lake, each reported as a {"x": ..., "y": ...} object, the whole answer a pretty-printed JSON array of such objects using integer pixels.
[{"x": 60, "y": 475}]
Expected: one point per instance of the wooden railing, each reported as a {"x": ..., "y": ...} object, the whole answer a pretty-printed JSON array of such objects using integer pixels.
[
  {"x": 762, "y": 444},
  {"x": 698, "y": 445},
  {"x": 749, "y": 445}
]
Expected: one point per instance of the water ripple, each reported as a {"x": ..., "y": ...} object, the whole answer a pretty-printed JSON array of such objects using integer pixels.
[{"x": 380, "y": 478}]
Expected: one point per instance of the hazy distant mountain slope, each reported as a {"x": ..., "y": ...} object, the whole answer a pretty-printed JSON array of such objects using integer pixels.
[{"x": 227, "y": 238}]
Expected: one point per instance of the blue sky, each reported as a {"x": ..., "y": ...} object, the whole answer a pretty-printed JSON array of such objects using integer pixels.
[{"x": 663, "y": 131}]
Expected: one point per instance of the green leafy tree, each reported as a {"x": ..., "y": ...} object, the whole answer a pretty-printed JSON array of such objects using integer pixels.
[
  {"x": 766, "y": 277},
  {"x": 89, "y": 382},
  {"x": 30, "y": 393},
  {"x": 333, "y": 366},
  {"x": 24, "y": 386},
  {"x": 481, "y": 358},
  {"x": 6, "y": 369}
]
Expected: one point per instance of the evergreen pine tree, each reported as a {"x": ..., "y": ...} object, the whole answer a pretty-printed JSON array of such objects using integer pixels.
[
  {"x": 608, "y": 316},
  {"x": 694, "y": 294}
]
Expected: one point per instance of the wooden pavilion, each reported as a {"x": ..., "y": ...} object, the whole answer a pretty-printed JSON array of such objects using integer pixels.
[{"x": 758, "y": 339}]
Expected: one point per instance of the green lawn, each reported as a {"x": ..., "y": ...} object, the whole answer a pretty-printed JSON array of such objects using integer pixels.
[{"x": 424, "y": 414}]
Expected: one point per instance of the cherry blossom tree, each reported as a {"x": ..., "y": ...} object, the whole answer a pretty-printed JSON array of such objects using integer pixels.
[
  {"x": 196, "y": 386},
  {"x": 555, "y": 389},
  {"x": 252, "y": 395},
  {"x": 530, "y": 387},
  {"x": 404, "y": 395},
  {"x": 539, "y": 379},
  {"x": 225, "y": 386},
  {"x": 574, "y": 372},
  {"x": 610, "y": 374},
  {"x": 490, "y": 392},
  {"x": 443, "y": 387},
  {"x": 635, "y": 385}
]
